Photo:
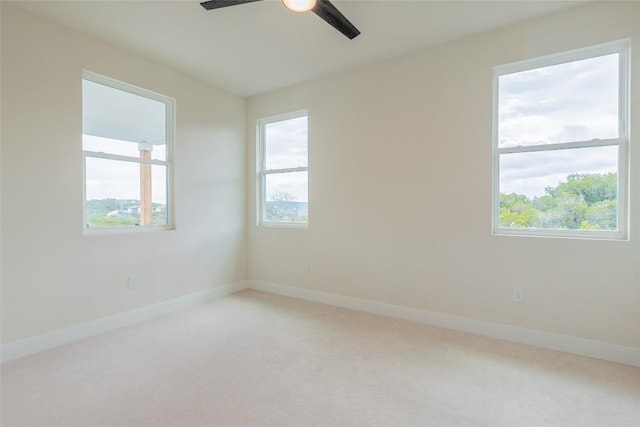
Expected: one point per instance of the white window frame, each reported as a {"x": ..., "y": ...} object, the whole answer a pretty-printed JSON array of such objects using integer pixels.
[
  {"x": 622, "y": 48},
  {"x": 170, "y": 115},
  {"x": 263, "y": 171}
]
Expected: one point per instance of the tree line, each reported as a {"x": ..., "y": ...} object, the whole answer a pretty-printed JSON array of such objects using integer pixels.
[
  {"x": 118, "y": 213},
  {"x": 582, "y": 202}
]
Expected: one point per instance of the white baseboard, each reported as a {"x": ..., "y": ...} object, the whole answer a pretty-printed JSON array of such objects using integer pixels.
[
  {"x": 568, "y": 344},
  {"x": 46, "y": 341}
]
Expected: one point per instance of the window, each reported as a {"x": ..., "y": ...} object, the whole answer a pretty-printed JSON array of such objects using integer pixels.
[
  {"x": 127, "y": 135},
  {"x": 283, "y": 170},
  {"x": 560, "y": 144}
]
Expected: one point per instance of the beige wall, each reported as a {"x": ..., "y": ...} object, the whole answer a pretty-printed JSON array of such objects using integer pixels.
[
  {"x": 400, "y": 191},
  {"x": 52, "y": 275}
]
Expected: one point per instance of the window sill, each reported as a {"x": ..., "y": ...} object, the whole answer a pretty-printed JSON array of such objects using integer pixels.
[
  {"x": 561, "y": 234},
  {"x": 111, "y": 231},
  {"x": 302, "y": 225}
]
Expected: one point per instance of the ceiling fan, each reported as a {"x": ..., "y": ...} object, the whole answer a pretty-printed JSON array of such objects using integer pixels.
[{"x": 323, "y": 8}]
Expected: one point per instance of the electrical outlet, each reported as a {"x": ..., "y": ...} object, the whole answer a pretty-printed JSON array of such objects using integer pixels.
[
  {"x": 518, "y": 295},
  {"x": 133, "y": 282},
  {"x": 305, "y": 267}
]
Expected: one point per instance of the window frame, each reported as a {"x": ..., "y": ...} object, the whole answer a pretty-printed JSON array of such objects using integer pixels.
[
  {"x": 170, "y": 125},
  {"x": 263, "y": 172},
  {"x": 620, "y": 47}
]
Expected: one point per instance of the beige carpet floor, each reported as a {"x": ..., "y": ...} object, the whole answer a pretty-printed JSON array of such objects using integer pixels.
[{"x": 254, "y": 359}]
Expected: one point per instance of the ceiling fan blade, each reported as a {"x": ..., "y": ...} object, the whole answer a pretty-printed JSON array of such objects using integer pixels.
[
  {"x": 216, "y": 4},
  {"x": 327, "y": 11}
]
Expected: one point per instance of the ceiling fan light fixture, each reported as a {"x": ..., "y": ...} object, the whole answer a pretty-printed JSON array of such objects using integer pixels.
[{"x": 299, "y": 5}]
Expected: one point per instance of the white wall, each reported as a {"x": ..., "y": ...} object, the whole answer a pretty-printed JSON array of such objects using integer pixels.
[
  {"x": 400, "y": 191},
  {"x": 52, "y": 275}
]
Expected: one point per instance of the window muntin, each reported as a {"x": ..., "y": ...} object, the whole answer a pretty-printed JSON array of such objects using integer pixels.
[
  {"x": 560, "y": 144},
  {"x": 283, "y": 170},
  {"x": 126, "y": 141}
]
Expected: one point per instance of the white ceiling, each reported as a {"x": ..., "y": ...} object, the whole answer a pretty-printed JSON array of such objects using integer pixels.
[{"x": 261, "y": 46}]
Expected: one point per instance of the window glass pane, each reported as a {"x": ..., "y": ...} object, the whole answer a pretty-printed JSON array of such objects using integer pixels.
[
  {"x": 159, "y": 195},
  {"x": 560, "y": 189},
  {"x": 111, "y": 146},
  {"x": 286, "y": 144},
  {"x": 120, "y": 120},
  {"x": 113, "y": 191},
  {"x": 574, "y": 101},
  {"x": 287, "y": 198},
  {"x": 123, "y": 148}
]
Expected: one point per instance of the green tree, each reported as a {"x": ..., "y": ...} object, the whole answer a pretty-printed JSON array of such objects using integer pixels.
[
  {"x": 591, "y": 187},
  {"x": 583, "y": 201},
  {"x": 568, "y": 214},
  {"x": 107, "y": 221},
  {"x": 517, "y": 210},
  {"x": 282, "y": 207}
]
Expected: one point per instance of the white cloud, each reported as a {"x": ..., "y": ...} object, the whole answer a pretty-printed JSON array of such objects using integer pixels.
[
  {"x": 106, "y": 178},
  {"x": 530, "y": 173},
  {"x": 576, "y": 101},
  {"x": 286, "y": 147},
  {"x": 287, "y": 143}
]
